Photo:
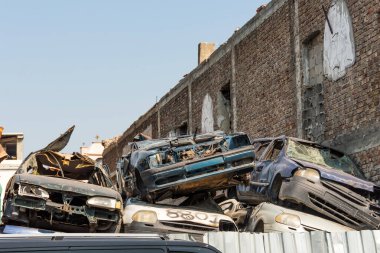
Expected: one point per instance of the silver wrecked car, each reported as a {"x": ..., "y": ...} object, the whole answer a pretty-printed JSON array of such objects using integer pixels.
[
  {"x": 139, "y": 216},
  {"x": 267, "y": 217}
]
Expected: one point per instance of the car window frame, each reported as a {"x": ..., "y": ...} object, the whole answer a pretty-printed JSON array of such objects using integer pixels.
[{"x": 269, "y": 151}]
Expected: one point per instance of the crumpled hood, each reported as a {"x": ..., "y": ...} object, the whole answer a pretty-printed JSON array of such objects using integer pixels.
[
  {"x": 67, "y": 185},
  {"x": 339, "y": 176}
]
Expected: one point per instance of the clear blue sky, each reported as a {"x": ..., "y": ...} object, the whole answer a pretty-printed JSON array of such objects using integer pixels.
[{"x": 99, "y": 64}]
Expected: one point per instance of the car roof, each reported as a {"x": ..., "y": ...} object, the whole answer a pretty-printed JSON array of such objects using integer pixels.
[
  {"x": 266, "y": 139},
  {"x": 94, "y": 240}
]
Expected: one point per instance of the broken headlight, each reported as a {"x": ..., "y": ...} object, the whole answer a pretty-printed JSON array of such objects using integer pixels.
[
  {"x": 103, "y": 202},
  {"x": 309, "y": 174},
  {"x": 288, "y": 219},
  {"x": 145, "y": 216},
  {"x": 32, "y": 191}
]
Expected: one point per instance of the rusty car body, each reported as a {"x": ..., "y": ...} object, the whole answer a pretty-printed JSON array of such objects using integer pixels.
[
  {"x": 323, "y": 179},
  {"x": 158, "y": 169},
  {"x": 62, "y": 192}
]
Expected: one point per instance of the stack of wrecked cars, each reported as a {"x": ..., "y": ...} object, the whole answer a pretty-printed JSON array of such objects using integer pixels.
[
  {"x": 312, "y": 178},
  {"x": 62, "y": 192},
  {"x": 170, "y": 182},
  {"x": 194, "y": 184}
]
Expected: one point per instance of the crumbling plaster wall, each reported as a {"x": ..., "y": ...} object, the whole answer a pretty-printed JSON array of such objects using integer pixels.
[
  {"x": 209, "y": 83},
  {"x": 264, "y": 64}
]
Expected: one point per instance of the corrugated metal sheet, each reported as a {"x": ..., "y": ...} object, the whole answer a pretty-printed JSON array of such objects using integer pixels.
[{"x": 310, "y": 242}]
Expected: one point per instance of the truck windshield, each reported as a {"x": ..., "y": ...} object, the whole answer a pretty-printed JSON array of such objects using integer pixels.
[{"x": 322, "y": 156}]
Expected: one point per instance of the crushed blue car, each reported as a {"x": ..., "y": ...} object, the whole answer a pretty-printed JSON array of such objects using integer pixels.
[
  {"x": 166, "y": 168},
  {"x": 313, "y": 176}
]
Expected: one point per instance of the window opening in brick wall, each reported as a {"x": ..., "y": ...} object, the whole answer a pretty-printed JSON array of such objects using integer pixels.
[
  {"x": 224, "y": 108},
  {"x": 313, "y": 113}
]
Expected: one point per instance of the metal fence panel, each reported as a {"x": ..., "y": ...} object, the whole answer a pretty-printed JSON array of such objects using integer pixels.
[{"x": 307, "y": 242}]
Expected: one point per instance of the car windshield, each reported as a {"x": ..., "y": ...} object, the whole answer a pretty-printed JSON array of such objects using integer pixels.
[{"x": 322, "y": 156}]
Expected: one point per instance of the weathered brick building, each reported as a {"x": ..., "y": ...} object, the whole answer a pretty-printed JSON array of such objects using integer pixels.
[{"x": 302, "y": 68}]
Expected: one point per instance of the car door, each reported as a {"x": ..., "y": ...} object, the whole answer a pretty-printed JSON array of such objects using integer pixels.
[{"x": 266, "y": 166}]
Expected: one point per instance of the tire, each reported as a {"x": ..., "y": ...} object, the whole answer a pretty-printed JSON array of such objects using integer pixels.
[
  {"x": 259, "y": 227},
  {"x": 275, "y": 190},
  {"x": 114, "y": 229},
  {"x": 232, "y": 193}
]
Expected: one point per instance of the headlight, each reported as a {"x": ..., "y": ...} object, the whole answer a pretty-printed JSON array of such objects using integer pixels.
[
  {"x": 145, "y": 216},
  {"x": 310, "y": 174},
  {"x": 288, "y": 219},
  {"x": 102, "y": 202},
  {"x": 32, "y": 191}
]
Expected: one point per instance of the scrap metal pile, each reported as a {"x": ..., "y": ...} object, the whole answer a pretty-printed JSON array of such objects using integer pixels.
[{"x": 194, "y": 184}]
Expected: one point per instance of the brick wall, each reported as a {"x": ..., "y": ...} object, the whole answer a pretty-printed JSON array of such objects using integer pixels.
[
  {"x": 210, "y": 82},
  {"x": 272, "y": 69},
  {"x": 265, "y": 90},
  {"x": 174, "y": 113}
]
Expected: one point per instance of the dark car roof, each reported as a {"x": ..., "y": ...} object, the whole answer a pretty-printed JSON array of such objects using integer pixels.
[{"x": 93, "y": 241}]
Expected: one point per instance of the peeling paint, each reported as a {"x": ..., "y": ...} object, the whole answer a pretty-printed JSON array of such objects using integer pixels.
[
  {"x": 207, "y": 115},
  {"x": 339, "y": 45}
]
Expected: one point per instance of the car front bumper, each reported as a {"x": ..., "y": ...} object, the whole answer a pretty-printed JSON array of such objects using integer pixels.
[
  {"x": 333, "y": 200},
  {"x": 57, "y": 216},
  {"x": 167, "y": 228}
]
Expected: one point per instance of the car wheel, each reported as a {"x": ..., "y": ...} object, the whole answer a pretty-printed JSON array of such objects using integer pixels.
[
  {"x": 275, "y": 190},
  {"x": 113, "y": 229},
  {"x": 232, "y": 193},
  {"x": 140, "y": 188},
  {"x": 259, "y": 227}
]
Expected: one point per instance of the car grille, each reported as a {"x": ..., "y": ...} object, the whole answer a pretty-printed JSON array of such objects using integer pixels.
[
  {"x": 349, "y": 208},
  {"x": 354, "y": 198},
  {"x": 57, "y": 197},
  {"x": 188, "y": 226},
  {"x": 335, "y": 210},
  {"x": 345, "y": 193}
]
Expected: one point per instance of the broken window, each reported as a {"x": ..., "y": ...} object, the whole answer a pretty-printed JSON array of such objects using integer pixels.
[
  {"x": 182, "y": 130},
  {"x": 313, "y": 96},
  {"x": 178, "y": 131},
  {"x": 224, "y": 108},
  {"x": 275, "y": 151}
]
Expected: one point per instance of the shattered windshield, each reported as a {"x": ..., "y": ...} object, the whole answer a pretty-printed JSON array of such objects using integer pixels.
[{"x": 322, "y": 156}]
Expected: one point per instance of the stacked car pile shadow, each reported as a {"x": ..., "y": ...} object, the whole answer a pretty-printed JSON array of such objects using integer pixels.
[{"x": 194, "y": 184}]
